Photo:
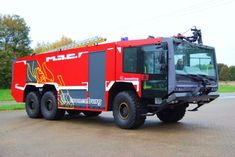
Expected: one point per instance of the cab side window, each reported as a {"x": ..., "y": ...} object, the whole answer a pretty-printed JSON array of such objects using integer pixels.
[
  {"x": 130, "y": 60},
  {"x": 147, "y": 59}
]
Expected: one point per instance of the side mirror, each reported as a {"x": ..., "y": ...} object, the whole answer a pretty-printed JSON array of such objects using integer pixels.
[
  {"x": 164, "y": 45},
  {"x": 163, "y": 69},
  {"x": 162, "y": 59}
]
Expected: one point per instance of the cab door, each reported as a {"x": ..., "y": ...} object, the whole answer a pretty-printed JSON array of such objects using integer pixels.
[
  {"x": 155, "y": 66},
  {"x": 150, "y": 61}
]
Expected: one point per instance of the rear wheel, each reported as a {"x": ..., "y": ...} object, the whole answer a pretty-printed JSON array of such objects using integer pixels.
[
  {"x": 91, "y": 113},
  {"x": 32, "y": 105},
  {"x": 172, "y": 115},
  {"x": 49, "y": 107},
  {"x": 127, "y": 110}
]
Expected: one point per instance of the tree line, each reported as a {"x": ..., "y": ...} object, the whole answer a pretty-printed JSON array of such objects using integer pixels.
[
  {"x": 15, "y": 43},
  {"x": 226, "y": 73}
]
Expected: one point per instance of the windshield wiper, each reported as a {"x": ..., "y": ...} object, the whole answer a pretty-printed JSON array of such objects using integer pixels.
[
  {"x": 207, "y": 77},
  {"x": 204, "y": 80},
  {"x": 196, "y": 77},
  {"x": 191, "y": 76}
]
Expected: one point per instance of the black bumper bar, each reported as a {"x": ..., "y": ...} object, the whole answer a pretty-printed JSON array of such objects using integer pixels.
[{"x": 189, "y": 97}]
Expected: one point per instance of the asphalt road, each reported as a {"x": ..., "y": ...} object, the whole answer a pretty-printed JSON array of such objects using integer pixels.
[{"x": 210, "y": 132}]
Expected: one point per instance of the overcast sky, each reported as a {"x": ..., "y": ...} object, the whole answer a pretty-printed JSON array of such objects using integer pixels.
[{"x": 50, "y": 19}]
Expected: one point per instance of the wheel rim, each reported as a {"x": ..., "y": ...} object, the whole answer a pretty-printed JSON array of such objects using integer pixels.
[
  {"x": 32, "y": 105},
  {"x": 123, "y": 110},
  {"x": 49, "y": 105}
]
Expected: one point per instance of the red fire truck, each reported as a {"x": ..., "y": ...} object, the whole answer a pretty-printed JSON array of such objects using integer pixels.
[{"x": 132, "y": 78}]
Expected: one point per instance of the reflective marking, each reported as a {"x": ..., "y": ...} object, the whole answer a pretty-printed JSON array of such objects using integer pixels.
[
  {"x": 81, "y": 53},
  {"x": 73, "y": 87},
  {"x": 24, "y": 61},
  {"x": 110, "y": 48},
  {"x": 107, "y": 88},
  {"x": 55, "y": 84},
  {"x": 119, "y": 49},
  {"x": 19, "y": 87}
]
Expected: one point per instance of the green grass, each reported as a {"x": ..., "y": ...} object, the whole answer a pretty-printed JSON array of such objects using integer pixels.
[
  {"x": 226, "y": 88},
  {"x": 5, "y": 95},
  {"x": 12, "y": 107}
]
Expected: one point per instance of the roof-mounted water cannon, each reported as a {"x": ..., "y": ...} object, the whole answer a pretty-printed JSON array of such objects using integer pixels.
[{"x": 196, "y": 37}]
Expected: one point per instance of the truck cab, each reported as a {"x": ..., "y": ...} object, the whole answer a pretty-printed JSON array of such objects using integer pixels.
[{"x": 174, "y": 72}]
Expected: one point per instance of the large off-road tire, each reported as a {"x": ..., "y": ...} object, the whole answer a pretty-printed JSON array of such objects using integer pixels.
[
  {"x": 32, "y": 105},
  {"x": 127, "y": 110},
  {"x": 91, "y": 113},
  {"x": 172, "y": 115},
  {"x": 49, "y": 107}
]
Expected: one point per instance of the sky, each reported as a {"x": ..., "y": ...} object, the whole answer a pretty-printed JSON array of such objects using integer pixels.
[{"x": 136, "y": 19}]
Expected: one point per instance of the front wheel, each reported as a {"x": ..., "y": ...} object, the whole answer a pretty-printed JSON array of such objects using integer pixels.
[
  {"x": 172, "y": 115},
  {"x": 127, "y": 110},
  {"x": 49, "y": 107}
]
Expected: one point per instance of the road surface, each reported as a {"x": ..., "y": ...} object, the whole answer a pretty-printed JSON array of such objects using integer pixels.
[{"x": 210, "y": 132}]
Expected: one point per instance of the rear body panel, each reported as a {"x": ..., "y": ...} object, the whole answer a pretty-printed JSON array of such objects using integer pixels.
[{"x": 79, "y": 75}]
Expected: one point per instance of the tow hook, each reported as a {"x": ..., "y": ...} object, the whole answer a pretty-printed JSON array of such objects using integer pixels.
[{"x": 196, "y": 108}]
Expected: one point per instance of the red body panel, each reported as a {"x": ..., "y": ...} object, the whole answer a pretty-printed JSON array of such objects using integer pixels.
[
  {"x": 70, "y": 69},
  {"x": 18, "y": 81}
]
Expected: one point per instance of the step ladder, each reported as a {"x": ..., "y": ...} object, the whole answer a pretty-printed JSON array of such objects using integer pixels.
[{"x": 87, "y": 42}]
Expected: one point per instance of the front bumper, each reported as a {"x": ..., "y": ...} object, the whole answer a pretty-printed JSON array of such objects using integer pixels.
[{"x": 190, "y": 98}]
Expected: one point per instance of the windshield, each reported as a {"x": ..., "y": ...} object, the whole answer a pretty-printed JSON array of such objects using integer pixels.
[{"x": 190, "y": 59}]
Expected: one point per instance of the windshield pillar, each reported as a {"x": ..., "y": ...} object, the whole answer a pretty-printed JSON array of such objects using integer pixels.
[{"x": 171, "y": 66}]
